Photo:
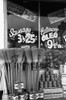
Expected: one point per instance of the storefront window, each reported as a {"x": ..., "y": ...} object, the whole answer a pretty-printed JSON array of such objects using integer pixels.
[
  {"x": 52, "y": 25},
  {"x": 37, "y": 72},
  {"x": 36, "y": 24},
  {"x": 22, "y": 24}
]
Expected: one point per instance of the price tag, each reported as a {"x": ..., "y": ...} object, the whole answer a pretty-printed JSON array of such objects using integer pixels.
[{"x": 19, "y": 86}]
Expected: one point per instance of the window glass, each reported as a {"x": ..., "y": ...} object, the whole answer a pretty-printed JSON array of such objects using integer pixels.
[
  {"x": 22, "y": 23},
  {"x": 36, "y": 24},
  {"x": 52, "y": 25}
]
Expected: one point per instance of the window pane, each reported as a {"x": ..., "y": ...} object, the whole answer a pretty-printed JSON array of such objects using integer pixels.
[
  {"x": 52, "y": 24},
  {"x": 22, "y": 23}
]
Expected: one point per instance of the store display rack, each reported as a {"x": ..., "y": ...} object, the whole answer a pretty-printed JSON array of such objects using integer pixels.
[{"x": 32, "y": 74}]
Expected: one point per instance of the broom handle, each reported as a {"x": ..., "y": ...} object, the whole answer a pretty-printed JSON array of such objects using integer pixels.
[
  {"x": 11, "y": 77},
  {"x": 34, "y": 76},
  {"x": 9, "y": 80},
  {"x": 37, "y": 77},
  {"x": 16, "y": 75},
  {"x": 21, "y": 70},
  {"x": 28, "y": 76}
]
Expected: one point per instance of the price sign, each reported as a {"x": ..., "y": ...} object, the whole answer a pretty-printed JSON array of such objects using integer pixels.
[
  {"x": 23, "y": 36},
  {"x": 29, "y": 38},
  {"x": 49, "y": 37}
]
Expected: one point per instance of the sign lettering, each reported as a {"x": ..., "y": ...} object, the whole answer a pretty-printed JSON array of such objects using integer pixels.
[
  {"x": 24, "y": 35},
  {"x": 49, "y": 37}
]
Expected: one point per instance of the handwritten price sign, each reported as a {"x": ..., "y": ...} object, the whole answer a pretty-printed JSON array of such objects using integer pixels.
[
  {"x": 23, "y": 36},
  {"x": 49, "y": 38},
  {"x": 29, "y": 38}
]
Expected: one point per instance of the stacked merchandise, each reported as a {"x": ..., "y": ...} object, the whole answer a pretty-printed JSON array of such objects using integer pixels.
[
  {"x": 30, "y": 74},
  {"x": 63, "y": 72},
  {"x": 51, "y": 85},
  {"x": 50, "y": 79}
]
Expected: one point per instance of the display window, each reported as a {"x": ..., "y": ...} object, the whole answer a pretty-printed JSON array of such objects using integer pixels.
[
  {"x": 34, "y": 65},
  {"x": 52, "y": 25},
  {"x": 22, "y": 24},
  {"x": 36, "y": 24}
]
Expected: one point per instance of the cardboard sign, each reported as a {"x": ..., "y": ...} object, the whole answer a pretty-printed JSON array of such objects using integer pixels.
[
  {"x": 15, "y": 9},
  {"x": 21, "y": 12},
  {"x": 56, "y": 16},
  {"x": 28, "y": 15},
  {"x": 36, "y": 96},
  {"x": 18, "y": 86},
  {"x": 24, "y": 96},
  {"x": 13, "y": 97}
]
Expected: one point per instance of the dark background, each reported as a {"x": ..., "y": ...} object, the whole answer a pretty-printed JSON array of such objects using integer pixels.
[{"x": 46, "y": 6}]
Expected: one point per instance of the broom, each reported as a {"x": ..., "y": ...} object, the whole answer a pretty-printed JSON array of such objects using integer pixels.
[{"x": 28, "y": 69}]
